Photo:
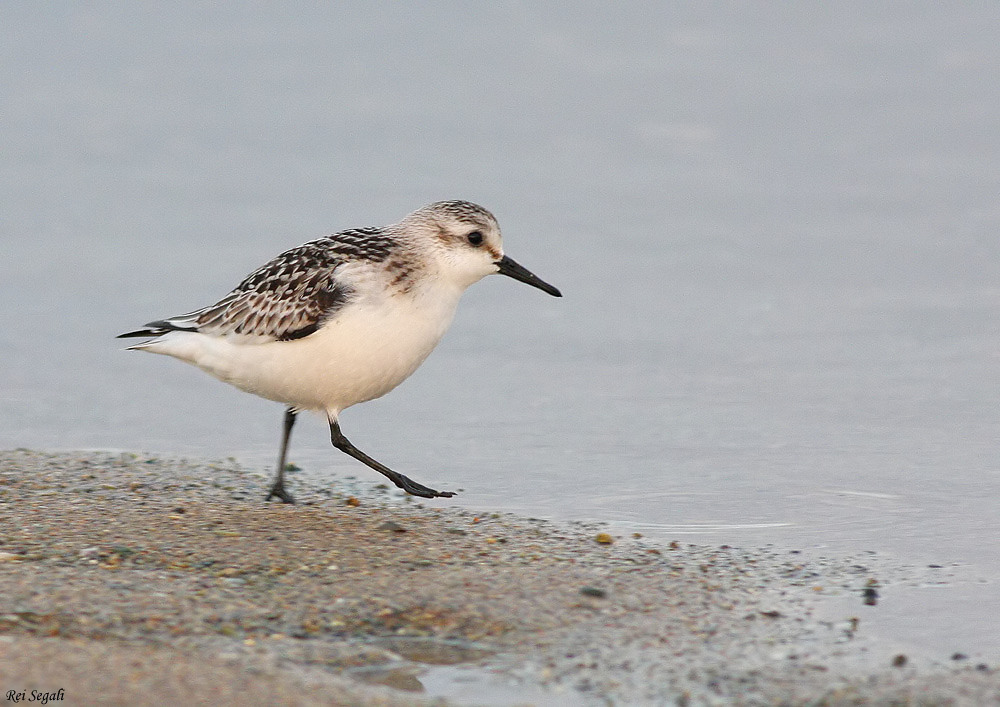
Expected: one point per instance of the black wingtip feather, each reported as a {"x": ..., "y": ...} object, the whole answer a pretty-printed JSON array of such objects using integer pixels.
[{"x": 157, "y": 328}]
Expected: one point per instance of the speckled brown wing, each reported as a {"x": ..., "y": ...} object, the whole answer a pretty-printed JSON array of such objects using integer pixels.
[{"x": 287, "y": 298}]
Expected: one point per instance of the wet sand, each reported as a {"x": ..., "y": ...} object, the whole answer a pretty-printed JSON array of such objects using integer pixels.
[{"x": 138, "y": 581}]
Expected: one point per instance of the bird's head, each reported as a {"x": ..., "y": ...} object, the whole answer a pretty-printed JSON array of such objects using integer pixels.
[{"x": 466, "y": 239}]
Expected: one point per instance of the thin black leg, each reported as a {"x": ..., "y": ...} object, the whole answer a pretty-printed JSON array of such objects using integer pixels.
[
  {"x": 278, "y": 488},
  {"x": 412, "y": 487}
]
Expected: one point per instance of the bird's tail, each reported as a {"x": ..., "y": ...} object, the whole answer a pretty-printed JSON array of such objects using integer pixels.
[{"x": 185, "y": 322}]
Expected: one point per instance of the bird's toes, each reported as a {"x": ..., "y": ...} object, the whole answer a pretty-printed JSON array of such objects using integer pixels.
[
  {"x": 281, "y": 495},
  {"x": 415, "y": 489}
]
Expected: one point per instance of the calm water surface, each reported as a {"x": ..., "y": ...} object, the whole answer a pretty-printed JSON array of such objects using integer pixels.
[{"x": 776, "y": 231}]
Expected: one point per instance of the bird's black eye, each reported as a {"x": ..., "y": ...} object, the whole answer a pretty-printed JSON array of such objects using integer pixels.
[{"x": 475, "y": 238}]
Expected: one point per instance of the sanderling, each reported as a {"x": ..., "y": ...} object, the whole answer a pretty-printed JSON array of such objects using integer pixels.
[{"x": 342, "y": 319}]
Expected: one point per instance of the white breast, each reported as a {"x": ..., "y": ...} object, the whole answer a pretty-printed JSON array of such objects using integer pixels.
[{"x": 361, "y": 354}]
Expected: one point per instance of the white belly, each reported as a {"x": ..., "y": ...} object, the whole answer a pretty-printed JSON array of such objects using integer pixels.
[{"x": 362, "y": 354}]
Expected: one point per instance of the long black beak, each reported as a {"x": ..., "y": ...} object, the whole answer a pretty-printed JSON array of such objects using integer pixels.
[{"x": 506, "y": 266}]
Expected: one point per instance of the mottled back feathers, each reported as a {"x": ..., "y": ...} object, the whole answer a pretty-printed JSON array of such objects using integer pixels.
[{"x": 290, "y": 296}]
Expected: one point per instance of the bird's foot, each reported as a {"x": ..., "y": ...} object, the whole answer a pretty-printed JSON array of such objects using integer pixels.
[
  {"x": 278, "y": 491},
  {"x": 415, "y": 489}
]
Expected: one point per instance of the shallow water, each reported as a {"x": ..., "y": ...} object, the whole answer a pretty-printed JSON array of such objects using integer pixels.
[{"x": 776, "y": 233}]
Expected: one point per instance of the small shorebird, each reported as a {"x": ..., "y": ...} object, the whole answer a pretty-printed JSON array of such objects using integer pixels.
[{"x": 342, "y": 319}]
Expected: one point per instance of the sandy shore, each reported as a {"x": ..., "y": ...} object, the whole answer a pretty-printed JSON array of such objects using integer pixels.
[{"x": 138, "y": 581}]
